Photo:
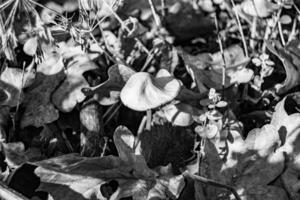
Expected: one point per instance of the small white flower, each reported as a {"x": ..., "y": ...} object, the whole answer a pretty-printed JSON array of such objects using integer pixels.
[
  {"x": 212, "y": 93},
  {"x": 263, "y": 61}
]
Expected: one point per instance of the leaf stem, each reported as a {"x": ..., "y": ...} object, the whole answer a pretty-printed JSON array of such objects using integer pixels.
[
  {"x": 222, "y": 53},
  {"x": 154, "y": 13},
  {"x": 240, "y": 29}
]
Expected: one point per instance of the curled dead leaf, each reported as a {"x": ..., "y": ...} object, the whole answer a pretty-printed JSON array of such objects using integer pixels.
[
  {"x": 291, "y": 69},
  {"x": 68, "y": 94},
  {"x": 108, "y": 93}
]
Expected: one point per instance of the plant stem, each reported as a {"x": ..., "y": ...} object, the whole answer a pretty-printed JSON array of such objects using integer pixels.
[
  {"x": 112, "y": 114},
  {"x": 104, "y": 147},
  {"x": 163, "y": 8},
  {"x": 149, "y": 119},
  {"x": 141, "y": 126},
  {"x": 123, "y": 25},
  {"x": 253, "y": 33},
  {"x": 240, "y": 29},
  {"x": 293, "y": 32},
  {"x": 223, "y": 55},
  {"x": 281, "y": 33},
  {"x": 155, "y": 14}
]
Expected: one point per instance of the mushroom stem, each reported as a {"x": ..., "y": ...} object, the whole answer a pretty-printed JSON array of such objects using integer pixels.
[
  {"x": 149, "y": 118},
  {"x": 142, "y": 126}
]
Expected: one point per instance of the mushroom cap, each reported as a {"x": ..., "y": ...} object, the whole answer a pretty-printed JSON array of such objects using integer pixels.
[{"x": 143, "y": 91}]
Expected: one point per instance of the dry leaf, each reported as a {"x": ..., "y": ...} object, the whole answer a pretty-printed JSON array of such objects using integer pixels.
[
  {"x": 69, "y": 92},
  {"x": 74, "y": 177},
  {"x": 108, "y": 92},
  {"x": 292, "y": 71},
  {"x": 38, "y": 107},
  {"x": 11, "y": 84}
]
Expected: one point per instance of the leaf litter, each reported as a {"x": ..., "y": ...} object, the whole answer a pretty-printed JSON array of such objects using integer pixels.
[{"x": 150, "y": 99}]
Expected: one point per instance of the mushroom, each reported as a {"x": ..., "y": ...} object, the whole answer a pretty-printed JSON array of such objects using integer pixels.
[{"x": 143, "y": 91}]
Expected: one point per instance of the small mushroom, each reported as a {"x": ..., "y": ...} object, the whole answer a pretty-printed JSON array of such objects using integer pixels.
[
  {"x": 143, "y": 91},
  {"x": 180, "y": 114}
]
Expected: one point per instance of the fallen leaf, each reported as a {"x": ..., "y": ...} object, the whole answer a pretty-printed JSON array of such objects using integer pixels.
[
  {"x": 68, "y": 94},
  {"x": 108, "y": 92},
  {"x": 11, "y": 84},
  {"x": 74, "y": 177},
  {"x": 292, "y": 72},
  {"x": 37, "y": 102}
]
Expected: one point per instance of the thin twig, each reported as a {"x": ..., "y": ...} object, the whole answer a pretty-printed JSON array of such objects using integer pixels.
[
  {"x": 281, "y": 33},
  {"x": 276, "y": 21},
  {"x": 293, "y": 32},
  {"x": 223, "y": 55},
  {"x": 253, "y": 32},
  {"x": 123, "y": 25},
  {"x": 104, "y": 147},
  {"x": 240, "y": 29},
  {"x": 67, "y": 142},
  {"x": 142, "y": 126},
  {"x": 154, "y": 13},
  {"x": 109, "y": 56},
  {"x": 266, "y": 37},
  {"x": 163, "y": 8},
  {"x": 213, "y": 183},
  {"x": 112, "y": 114}
]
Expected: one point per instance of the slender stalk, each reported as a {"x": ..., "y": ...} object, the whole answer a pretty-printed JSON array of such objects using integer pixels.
[
  {"x": 104, "y": 147},
  {"x": 293, "y": 32},
  {"x": 281, "y": 33},
  {"x": 149, "y": 119},
  {"x": 163, "y": 8},
  {"x": 109, "y": 56},
  {"x": 223, "y": 55},
  {"x": 154, "y": 13},
  {"x": 266, "y": 37},
  {"x": 240, "y": 29},
  {"x": 253, "y": 33},
  {"x": 112, "y": 114},
  {"x": 123, "y": 25},
  {"x": 142, "y": 126},
  {"x": 67, "y": 142},
  {"x": 276, "y": 22}
]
